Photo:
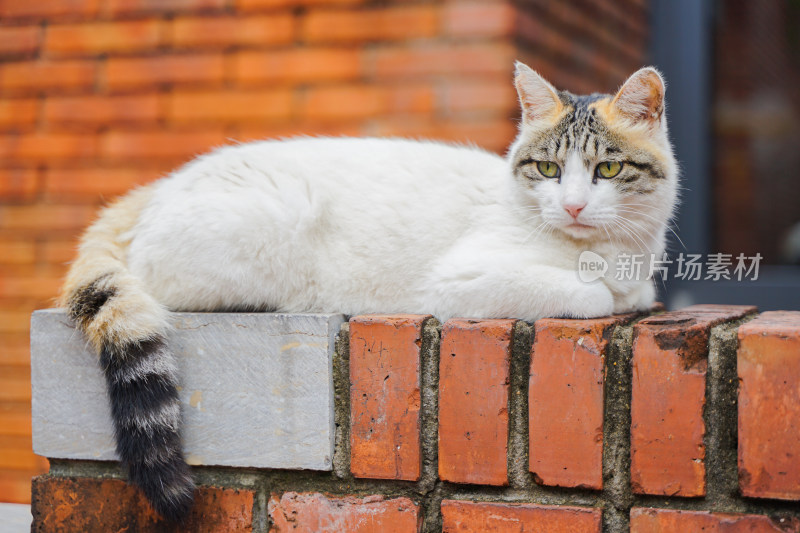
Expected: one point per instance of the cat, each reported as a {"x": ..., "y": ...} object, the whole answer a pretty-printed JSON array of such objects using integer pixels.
[{"x": 369, "y": 226}]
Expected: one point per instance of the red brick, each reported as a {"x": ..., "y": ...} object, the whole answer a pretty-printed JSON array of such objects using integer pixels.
[
  {"x": 88, "y": 504},
  {"x": 47, "y": 146},
  {"x": 364, "y": 101},
  {"x": 233, "y": 31},
  {"x": 539, "y": 34},
  {"x": 15, "y": 384},
  {"x": 386, "y": 24},
  {"x": 495, "y": 94},
  {"x": 117, "y": 7},
  {"x": 47, "y": 8},
  {"x": 385, "y": 396},
  {"x": 443, "y": 60},
  {"x": 16, "y": 349},
  {"x": 493, "y": 134},
  {"x": 18, "y": 112},
  {"x": 15, "y": 486},
  {"x": 122, "y": 73},
  {"x": 669, "y": 379},
  {"x": 36, "y": 218},
  {"x": 230, "y": 106},
  {"x": 104, "y": 37},
  {"x": 253, "y": 5},
  {"x": 473, "y": 401},
  {"x": 19, "y": 40},
  {"x": 14, "y": 322},
  {"x": 94, "y": 182},
  {"x": 479, "y": 19},
  {"x": 769, "y": 406},
  {"x": 160, "y": 144},
  {"x": 17, "y": 252},
  {"x": 644, "y": 520},
  {"x": 251, "y": 132},
  {"x": 566, "y": 401},
  {"x": 44, "y": 74},
  {"x": 20, "y": 183},
  {"x": 102, "y": 110},
  {"x": 15, "y": 418},
  {"x": 469, "y": 517},
  {"x": 59, "y": 251},
  {"x": 15, "y": 450},
  {"x": 35, "y": 286},
  {"x": 316, "y": 513},
  {"x": 297, "y": 66}
]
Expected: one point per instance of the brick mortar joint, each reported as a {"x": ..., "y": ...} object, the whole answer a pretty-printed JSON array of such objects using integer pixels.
[
  {"x": 431, "y": 332},
  {"x": 720, "y": 415},
  {"x": 341, "y": 403},
  {"x": 617, "y": 391},
  {"x": 519, "y": 475}
]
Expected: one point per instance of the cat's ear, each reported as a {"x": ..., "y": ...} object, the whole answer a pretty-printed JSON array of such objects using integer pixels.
[
  {"x": 641, "y": 97},
  {"x": 536, "y": 96}
]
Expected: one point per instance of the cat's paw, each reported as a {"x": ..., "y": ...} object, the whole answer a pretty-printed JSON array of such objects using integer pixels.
[
  {"x": 590, "y": 301},
  {"x": 641, "y": 298}
]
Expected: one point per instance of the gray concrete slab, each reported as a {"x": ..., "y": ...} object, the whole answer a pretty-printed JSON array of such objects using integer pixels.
[{"x": 256, "y": 389}]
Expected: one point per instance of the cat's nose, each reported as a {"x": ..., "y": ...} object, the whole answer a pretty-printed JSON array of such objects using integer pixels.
[{"x": 574, "y": 209}]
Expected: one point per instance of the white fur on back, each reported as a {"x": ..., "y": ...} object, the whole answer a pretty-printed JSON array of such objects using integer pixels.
[{"x": 354, "y": 226}]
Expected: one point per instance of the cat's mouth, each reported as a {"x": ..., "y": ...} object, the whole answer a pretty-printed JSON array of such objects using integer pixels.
[
  {"x": 578, "y": 230},
  {"x": 579, "y": 226}
]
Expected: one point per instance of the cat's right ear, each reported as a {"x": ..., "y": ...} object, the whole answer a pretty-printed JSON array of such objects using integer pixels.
[{"x": 539, "y": 99}]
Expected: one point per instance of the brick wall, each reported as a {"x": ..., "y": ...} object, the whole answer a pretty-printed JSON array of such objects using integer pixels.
[
  {"x": 756, "y": 124},
  {"x": 677, "y": 422},
  {"x": 98, "y": 96}
]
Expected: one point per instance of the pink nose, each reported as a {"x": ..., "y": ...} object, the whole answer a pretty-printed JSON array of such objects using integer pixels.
[{"x": 574, "y": 209}]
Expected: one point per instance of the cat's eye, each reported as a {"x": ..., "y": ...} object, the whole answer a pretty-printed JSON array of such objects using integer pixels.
[
  {"x": 608, "y": 169},
  {"x": 548, "y": 169}
]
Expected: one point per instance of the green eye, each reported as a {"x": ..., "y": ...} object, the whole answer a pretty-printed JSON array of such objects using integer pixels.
[
  {"x": 608, "y": 169},
  {"x": 548, "y": 169}
]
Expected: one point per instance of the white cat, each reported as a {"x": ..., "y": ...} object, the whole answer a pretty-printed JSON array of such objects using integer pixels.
[{"x": 370, "y": 226}]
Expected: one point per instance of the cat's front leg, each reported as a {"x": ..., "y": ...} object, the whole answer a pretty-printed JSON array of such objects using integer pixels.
[
  {"x": 497, "y": 289},
  {"x": 636, "y": 296},
  {"x": 589, "y": 300}
]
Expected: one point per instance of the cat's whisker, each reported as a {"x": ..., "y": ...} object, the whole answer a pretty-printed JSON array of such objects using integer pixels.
[
  {"x": 536, "y": 233},
  {"x": 622, "y": 223},
  {"x": 532, "y": 217},
  {"x": 617, "y": 227},
  {"x": 635, "y": 228},
  {"x": 667, "y": 226},
  {"x": 671, "y": 219},
  {"x": 610, "y": 239},
  {"x": 528, "y": 209},
  {"x": 668, "y": 223}
]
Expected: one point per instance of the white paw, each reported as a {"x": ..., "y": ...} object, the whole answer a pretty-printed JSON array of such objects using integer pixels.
[
  {"x": 640, "y": 298},
  {"x": 590, "y": 301}
]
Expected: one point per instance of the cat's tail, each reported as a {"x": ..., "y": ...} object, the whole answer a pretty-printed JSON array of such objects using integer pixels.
[{"x": 126, "y": 326}]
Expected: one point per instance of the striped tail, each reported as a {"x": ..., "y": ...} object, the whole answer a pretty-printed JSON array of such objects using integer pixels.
[{"x": 127, "y": 326}]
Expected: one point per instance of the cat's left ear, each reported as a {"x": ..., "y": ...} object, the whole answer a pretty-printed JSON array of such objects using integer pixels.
[
  {"x": 539, "y": 99},
  {"x": 641, "y": 97}
]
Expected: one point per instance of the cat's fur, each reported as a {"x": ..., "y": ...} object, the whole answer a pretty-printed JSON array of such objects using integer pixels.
[{"x": 366, "y": 226}]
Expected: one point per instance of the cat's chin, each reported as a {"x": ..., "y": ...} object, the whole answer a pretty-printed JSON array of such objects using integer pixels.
[{"x": 579, "y": 231}]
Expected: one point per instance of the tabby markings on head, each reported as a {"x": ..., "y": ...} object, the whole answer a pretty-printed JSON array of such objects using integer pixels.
[{"x": 584, "y": 126}]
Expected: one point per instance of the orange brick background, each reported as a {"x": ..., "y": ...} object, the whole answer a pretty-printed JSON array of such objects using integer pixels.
[{"x": 97, "y": 96}]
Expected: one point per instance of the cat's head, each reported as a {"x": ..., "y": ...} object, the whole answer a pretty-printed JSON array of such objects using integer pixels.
[{"x": 597, "y": 167}]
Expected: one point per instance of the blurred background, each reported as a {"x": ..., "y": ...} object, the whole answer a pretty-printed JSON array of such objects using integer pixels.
[{"x": 97, "y": 96}]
